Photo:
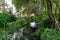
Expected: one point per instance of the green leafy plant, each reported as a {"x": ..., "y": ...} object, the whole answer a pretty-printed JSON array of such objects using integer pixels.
[
  {"x": 46, "y": 22},
  {"x": 5, "y": 18},
  {"x": 14, "y": 26},
  {"x": 50, "y": 34}
]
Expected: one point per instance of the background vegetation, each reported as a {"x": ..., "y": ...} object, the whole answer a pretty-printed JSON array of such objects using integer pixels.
[{"x": 46, "y": 15}]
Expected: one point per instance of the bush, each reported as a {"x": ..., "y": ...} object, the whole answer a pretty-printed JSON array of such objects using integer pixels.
[
  {"x": 50, "y": 34},
  {"x": 46, "y": 22},
  {"x": 13, "y": 26},
  {"x": 5, "y": 18},
  {"x": 4, "y": 35}
]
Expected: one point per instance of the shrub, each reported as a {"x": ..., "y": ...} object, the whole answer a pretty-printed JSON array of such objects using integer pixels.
[
  {"x": 46, "y": 22},
  {"x": 4, "y": 35},
  {"x": 5, "y": 18},
  {"x": 50, "y": 34},
  {"x": 13, "y": 26}
]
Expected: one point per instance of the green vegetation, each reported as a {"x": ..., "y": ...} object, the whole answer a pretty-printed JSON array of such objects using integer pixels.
[
  {"x": 5, "y": 18},
  {"x": 46, "y": 15},
  {"x": 50, "y": 34}
]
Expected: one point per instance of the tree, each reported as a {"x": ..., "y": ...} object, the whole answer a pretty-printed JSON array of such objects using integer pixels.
[
  {"x": 32, "y": 6},
  {"x": 50, "y": 14}
]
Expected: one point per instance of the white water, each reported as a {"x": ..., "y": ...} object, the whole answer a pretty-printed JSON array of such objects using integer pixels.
[{"x": 10, "y": 5}]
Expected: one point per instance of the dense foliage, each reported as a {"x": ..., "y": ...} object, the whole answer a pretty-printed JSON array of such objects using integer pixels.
[
  {"x": 50, "y": 34},
  {"x": 6, "y": 33},
  {"x": 46, "y": 15},
  {"x": 5, "y": 18}
]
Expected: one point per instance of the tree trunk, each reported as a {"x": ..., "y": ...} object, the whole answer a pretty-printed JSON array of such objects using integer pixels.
[{"x": 50, "y": 14}]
